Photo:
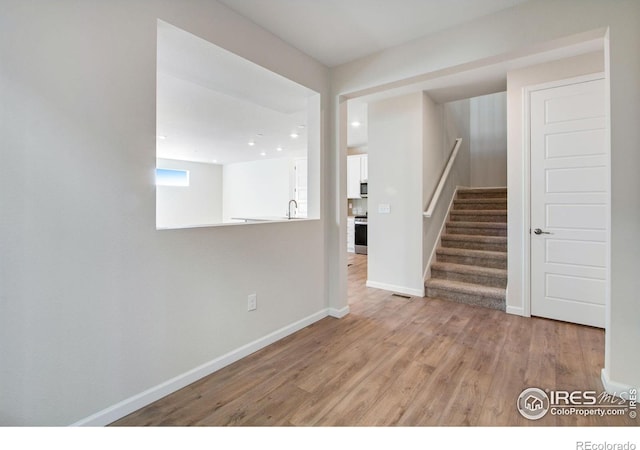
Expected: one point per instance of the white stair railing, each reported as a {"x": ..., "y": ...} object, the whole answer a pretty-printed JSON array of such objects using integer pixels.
[{"x": 443, "y": 179}]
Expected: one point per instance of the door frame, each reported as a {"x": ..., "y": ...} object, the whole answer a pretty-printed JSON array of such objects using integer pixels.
[{"x": 526, "y": 176}]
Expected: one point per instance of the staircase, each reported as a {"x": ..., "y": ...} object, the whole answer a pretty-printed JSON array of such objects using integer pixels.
[{"x": 471, "y": 262}]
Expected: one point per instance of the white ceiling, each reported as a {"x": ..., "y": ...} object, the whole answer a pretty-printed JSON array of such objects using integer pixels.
[
  {"x": 212, "y": 103},
  {"x": 338, "y": 31}
]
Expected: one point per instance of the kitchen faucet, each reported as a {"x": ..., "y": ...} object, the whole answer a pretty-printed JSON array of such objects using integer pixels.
[{"x": 289, "y": 208}]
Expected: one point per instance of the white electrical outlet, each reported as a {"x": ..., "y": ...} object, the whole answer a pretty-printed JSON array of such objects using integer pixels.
[
  {"x": 252, "y": 302},
  {"x": 384, "y": 208}
]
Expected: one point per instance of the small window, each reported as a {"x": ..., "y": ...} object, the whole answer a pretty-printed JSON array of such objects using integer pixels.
[{"x": 171, "y": 177}]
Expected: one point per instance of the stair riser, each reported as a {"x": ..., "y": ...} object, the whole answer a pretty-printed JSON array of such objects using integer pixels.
[
  {"x": 495, "y": 218},
  {"x": 473, "y": 245},
  {"x": 483, "y": 206},
  {"x": 492, "y": 263},
  {"x": 468, "y": 299},
  {"x": 499, "y": 282},
  {"x": 452, "y": 229},
  {"x": 472, "y": 194}
]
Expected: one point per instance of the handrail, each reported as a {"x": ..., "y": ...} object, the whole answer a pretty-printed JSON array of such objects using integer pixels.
[{"x": 443, "y": 178}]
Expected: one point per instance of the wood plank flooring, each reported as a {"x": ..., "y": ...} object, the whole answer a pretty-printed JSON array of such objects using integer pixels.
[{"x": 395, "y": 361}]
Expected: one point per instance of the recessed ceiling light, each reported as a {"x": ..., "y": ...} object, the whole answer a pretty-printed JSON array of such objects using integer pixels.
[
  {"x": 251, "y": 143},
  {"x": 162, "y": 136},
  {"x": 214, "y": 161},
  {"x": 294, "y": 135},
  {"x": 301, "y": 126},
  {"x": 279, "y": 149},
  {"x": 355, "y": 124},
  {"x": 263, "y": 153}
]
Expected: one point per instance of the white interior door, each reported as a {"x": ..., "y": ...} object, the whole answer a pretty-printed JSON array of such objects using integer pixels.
[{"x": 569, "y": 203}]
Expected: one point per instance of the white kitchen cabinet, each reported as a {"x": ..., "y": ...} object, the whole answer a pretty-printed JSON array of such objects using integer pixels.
[
  {"x": 364, "y": 167},
  {"x": 351, "y": 234},
  {"x": 357, "y": 171},
  {"x": 353, "y": 176}
]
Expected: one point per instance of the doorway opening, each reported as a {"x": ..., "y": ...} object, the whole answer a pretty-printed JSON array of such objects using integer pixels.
[{"x": 490, "y": 76}]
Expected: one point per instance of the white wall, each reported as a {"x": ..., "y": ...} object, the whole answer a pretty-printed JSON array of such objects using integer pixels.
[
  {"x": 434, "y": 150},
  {"x": 96, "y": 306},
  {"x": 200, "y": 203},
  {"x": 456, "y": 125},
  {"x": 517, "y": 31},
  {"x": 395, "y": 178},
  {"x": 489, "y": 140},
  {"x": 256, "y": 189}
]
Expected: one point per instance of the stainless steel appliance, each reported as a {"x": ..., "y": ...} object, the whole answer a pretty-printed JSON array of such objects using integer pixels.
[
  {"x": 364, "y": 189},
  {"x": 361, "y": 234}
]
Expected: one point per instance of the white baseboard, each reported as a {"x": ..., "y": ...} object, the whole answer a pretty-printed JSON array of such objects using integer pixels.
[
  {"x": 131, "y": 404},
  {"x": 613, "y": 387},
  {"x": 339, "y": 313},
  {"x": 516, "y": 311},
  {"x": 398, "y": 289}
]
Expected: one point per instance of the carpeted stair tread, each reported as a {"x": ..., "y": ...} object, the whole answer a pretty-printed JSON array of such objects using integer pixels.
[
  {"x": 480, "y": 212},
  {"x": 475, "y": 241},
  {"x": 472, "y": 257},
  {"x": 467, "y": 269},
  {"x": 477, "y": 228},
  {"x": 478, "y": 190},
  {"x": 466, "y": 288},
  {"x": 484, "y": 276},
  {"x": 479, "y": 215},
  {"x": 474, "y": 253},
  {"x": 490, "y": 204},
  {"x": 468, "y": 224},
  {"x": 481, "y": 193},
  {"x": 475, "y": 238},
  {"x": 474, "y": 298},
  {"x": 464, "y": 201}
]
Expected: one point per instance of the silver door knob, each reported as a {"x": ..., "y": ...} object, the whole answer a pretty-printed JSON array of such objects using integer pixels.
[{"x": 539, "y": 231}]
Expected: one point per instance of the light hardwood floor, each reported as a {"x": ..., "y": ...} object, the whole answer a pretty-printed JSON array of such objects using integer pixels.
[{"x": 395, "y": 361}]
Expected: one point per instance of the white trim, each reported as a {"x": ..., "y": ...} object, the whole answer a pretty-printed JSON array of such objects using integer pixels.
[
  {"x": 607, "y": 105},
  {"x": 399, "y": 289},
  {"x": 427, "y": 270},
  {"x": 526, "y": 203},
  {"x": 131, "y": 404},
  {"x": 565, "y": 82},
  {"x": 526, "y": 179},
  {"x": 613, "y": 387},
  {"x": 516, "y": 310},
  {"x": 339, "y": 313}
]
